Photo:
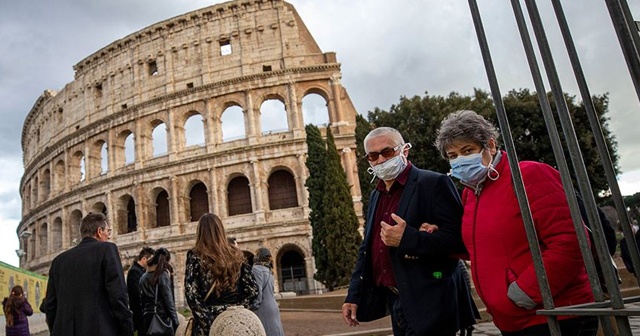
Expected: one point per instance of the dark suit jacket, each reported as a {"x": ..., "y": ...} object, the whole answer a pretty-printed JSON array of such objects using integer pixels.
[
  {"x": 427, "y": 278},
  {"x": 86, "y": 292},
  {"x": 133, "y": 288}
]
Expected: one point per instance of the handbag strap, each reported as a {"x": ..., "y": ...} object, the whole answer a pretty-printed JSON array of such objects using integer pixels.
[{"x": 155, "y": 300}]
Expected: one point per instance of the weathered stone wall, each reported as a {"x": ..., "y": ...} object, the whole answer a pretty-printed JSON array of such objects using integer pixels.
[{"x": 163, "y": 75}]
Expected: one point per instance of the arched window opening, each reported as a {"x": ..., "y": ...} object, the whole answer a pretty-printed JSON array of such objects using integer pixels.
[
  {"x": 132, "y": 220},
  {"x": 239, "y": 196},
  {"x": 198, "y": 201},
  {"x": 42, "y": 239},
  {"x": 293, "y": 274},
  {"x": 232, "y": 123},
  {"x": 314, "y": 110},
  {"x": 46, "y": 184},
  {"x": 74, "y": 227},
  {"x": 282, "y": 190},
  {"x": 99, "y": 208},
  {"x": 56, "y": 234},
  {"x": 194, "y": 130},
  {"x": 129, "y": 149},
  {"x": 159, "y": 140},
  {"x": 162, "y": 209},
  {"x": 104, "y": 159},
  {"x": 82, "y": 169},
  {"x": 59, "y": 176},
  {"x": 273, "y": 117}
]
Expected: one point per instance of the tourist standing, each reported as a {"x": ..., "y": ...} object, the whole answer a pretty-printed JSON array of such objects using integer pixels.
[
  {"x": 16, "y": 309},
  {"x": 265, "y": 305},
  {"x": 156, "y": 291}
]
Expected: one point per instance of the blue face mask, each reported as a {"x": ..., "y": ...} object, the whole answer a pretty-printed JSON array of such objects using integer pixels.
[{"x": 469, "y": 168}]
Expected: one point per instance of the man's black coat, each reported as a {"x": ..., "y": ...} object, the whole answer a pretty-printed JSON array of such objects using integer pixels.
[
  {"x": 86, "y": 292},
  {"x": 427, "y": 278}
]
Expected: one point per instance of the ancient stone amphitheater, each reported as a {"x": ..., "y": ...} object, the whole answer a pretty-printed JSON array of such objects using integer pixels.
[{"x": 203, "y": 112}]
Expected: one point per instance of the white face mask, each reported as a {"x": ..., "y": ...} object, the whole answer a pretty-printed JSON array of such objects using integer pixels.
[{"x": 390, "y": 169}]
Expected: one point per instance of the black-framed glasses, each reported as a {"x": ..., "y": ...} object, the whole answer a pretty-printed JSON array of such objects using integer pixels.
[{"x": 386, "y": 153}]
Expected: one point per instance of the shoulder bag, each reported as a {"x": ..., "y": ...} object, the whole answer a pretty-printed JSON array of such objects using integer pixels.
[{"x": 159, "y": 326}]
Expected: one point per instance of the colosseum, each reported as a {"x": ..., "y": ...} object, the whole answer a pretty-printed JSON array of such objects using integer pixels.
[{"x": 203, "y": 112}]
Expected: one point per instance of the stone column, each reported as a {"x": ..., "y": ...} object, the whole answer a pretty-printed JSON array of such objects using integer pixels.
[
  {"x": 174, "y": 202},
  {"x": 336, "y": 88}
]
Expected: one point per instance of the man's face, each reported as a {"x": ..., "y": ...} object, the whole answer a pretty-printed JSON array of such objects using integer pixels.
[
  {"x": 143, "y": 261},
  {"x": 104, "y": 234},
  {"x": 381, "y": 149}
]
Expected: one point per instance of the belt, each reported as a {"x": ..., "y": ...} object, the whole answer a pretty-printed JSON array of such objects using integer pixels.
[{"x": 394, "y": 290}]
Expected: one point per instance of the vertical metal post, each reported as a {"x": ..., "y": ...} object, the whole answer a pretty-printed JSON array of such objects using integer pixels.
[
  {"x": 515, "y": 168},
  {"x": 629, "y": 50},
  {"x": 578, "y": 162},
  {"x": 594, "y": 121}
]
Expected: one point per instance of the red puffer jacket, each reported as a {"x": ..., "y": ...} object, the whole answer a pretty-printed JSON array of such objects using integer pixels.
[{"x": 494, "y": 234}]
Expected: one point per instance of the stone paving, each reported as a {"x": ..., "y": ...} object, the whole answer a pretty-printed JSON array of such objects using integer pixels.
[{"x": 316, "y": 323}]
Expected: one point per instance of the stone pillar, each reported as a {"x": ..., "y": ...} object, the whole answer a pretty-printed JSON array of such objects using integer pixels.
[
  {"x": 303, "y": 194},
  {"x": 111, "y": 151},
  {"x": 140, "y": 146},
  {"x": 251, "y": 119},
  {"x": 174, "y": 202},
  {"x": 257, "y": 183},
  {"x": 214, "y": 204},
  {"x": 294, "y": 115},
  {"x": 336, "y": 88},
  {"x": 171, "y": 131}
]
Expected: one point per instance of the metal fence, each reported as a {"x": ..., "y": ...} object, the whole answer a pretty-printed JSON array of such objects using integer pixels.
[{"x": 609, "y": 306}]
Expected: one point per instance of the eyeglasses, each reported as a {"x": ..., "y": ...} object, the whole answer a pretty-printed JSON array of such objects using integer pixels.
[
  {"x": 386, "y": 153},
  {"x": 108, "y": 230}
]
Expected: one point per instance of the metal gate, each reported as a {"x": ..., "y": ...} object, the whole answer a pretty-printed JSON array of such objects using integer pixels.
[{"x": 612, "y": 304}]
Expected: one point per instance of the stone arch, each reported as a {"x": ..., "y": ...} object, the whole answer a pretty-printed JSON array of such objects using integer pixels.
[
  {"x": 75, "y": 219},
  {"x": 292, "y": 269},
  {"x": 59, "y": 176},
  {"x": 77, "y": 167},
  {"x": 239, "y": 196},
  {"x": 99, "y": 207},
  {"x": 273, "y": 115},
  {"x": 282, "y": 190},
  {"x": 315, "y": 108},
  {"x": 162, "y": 214},
  {"x": 43, "y": 233},
  {"x": 232, "y": 123},
  {"x": 193, "y": 129},
  {"x": 127, "y": 220},
  {"x": 56, "y": 234},
  {"x": 45, "y": 184},
  {"x": 159, "y": 139},
  {"x": 198, "y": 200}
]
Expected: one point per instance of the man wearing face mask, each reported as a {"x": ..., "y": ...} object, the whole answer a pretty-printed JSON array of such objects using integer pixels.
[
  {"x": 494, "y": 234},
  {"x": 401, "y": 269}
]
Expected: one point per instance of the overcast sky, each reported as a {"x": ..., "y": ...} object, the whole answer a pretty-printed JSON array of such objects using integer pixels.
[{"x": 387, "y": 49}]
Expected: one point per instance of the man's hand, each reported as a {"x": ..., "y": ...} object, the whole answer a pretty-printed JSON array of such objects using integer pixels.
[
  {"x": 349, "y": 314},
  {"x": 392, "y": 234},
  {"x": 429, "y": 228}
]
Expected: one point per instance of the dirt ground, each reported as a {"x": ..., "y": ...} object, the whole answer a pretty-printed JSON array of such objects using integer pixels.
[{"x": 309, "y": 323}]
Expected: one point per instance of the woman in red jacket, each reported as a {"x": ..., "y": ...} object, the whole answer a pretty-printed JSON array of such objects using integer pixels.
[{"x": 494, "y": 234}]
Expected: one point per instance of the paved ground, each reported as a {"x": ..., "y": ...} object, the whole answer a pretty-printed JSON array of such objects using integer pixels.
[{"x": 315, "y": 323}]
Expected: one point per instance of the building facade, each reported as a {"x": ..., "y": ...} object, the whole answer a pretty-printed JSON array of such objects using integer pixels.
[{"x": 203, "y": 112}]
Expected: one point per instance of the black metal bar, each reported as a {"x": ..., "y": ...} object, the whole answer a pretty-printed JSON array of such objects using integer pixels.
[
  {"x": 594, "y": 121},
  {"x": 629, "y": 51},
  {"x": 561, "y": 161},
  {"x": 578, "y": 163},
  {"x": 601, "y": 312},
  {"x": 515, "y": 168}
]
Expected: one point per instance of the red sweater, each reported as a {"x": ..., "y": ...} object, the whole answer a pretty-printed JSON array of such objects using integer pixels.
[{"x": 494, "y": 234}]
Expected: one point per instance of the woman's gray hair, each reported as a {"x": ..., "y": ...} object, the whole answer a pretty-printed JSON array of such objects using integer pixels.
[
  {"x": 464, "y": 126},
  {"x": 384, "y": 131}
]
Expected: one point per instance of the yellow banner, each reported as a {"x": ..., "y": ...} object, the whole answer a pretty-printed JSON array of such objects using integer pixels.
[{"x": 33, "y": 284}]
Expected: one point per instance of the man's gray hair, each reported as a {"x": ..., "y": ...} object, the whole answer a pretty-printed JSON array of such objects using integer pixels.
[
  {"x": 91, "y": 223},
  {"x": 464, "y": 126},
  {"x": 384, "y": 131}
]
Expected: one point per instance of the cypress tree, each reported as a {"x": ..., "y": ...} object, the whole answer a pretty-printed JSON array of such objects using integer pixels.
[
  {"x": 316, "y": 164},
  {"x": 340, "y": 222}
]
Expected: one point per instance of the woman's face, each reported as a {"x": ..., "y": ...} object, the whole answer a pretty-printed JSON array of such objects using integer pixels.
[{"x": 464, "y": 148}]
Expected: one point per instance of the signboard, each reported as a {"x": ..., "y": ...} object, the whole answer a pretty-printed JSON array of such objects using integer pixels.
[{"x": 34, "y": 285}]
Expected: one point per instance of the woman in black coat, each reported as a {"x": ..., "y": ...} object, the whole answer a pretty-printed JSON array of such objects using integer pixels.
[{"x": 157, "y": 279}]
